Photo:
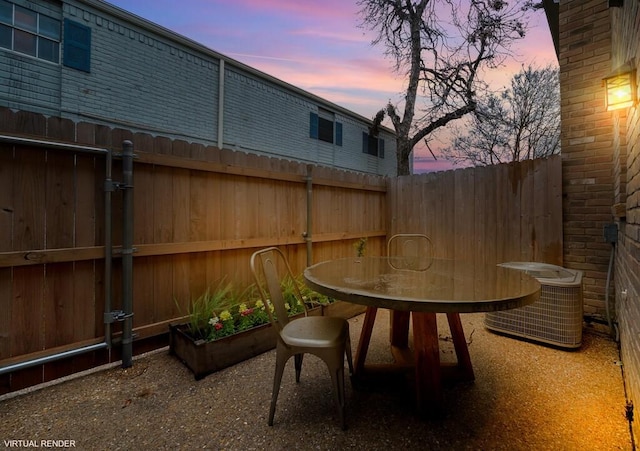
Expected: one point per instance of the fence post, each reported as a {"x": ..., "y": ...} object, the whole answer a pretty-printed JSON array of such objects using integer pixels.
[
  {"x": 127, "y": 253},
  {"x": 307, "y": 234},
  {"x": 108, "y": 248}
]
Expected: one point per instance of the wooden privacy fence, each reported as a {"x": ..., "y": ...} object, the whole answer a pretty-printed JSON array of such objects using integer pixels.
[
  {"x": 492, "y": 214},
  {"x": 199, "y": 213}
]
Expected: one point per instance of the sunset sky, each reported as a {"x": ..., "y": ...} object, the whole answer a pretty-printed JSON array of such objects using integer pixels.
[{"x": 316, "y": 45}]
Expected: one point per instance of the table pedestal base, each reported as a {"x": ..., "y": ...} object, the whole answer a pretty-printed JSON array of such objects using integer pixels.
[{"x": 424, "y": 361}]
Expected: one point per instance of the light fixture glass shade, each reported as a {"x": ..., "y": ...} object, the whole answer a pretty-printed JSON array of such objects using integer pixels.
[{"x": 621, "y": 89}]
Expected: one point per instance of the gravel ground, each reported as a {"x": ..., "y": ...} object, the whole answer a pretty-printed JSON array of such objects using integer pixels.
[{"x": 525, "y": 397}]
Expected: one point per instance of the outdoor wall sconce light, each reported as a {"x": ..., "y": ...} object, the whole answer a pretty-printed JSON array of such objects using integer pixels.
[{"x": 620, "y": 88}]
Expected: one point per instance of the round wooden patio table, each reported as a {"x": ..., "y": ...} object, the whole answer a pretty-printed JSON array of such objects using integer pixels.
[{"x": 446, "y": 286}]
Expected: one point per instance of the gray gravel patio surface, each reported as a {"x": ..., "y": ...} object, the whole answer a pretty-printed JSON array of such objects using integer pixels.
[{"x": 525, "y": 397}]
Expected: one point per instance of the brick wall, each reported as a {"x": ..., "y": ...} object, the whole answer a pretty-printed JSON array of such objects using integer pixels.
[
  {"x": 601, "y": 167},
  {"x": 626, "y": 47},
  {"x": 587, "y": 142}
]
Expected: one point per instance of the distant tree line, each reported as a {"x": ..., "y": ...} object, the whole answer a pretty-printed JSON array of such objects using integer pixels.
[{"x": 522, "y": 122}]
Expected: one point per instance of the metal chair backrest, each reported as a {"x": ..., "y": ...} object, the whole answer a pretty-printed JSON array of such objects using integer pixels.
[
  {"x": 266, "y": 266},
  {"x": 414, "y": 251}
]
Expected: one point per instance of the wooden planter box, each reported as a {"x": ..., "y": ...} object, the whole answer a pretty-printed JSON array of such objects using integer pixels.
[{"x": 206, "y": 357}]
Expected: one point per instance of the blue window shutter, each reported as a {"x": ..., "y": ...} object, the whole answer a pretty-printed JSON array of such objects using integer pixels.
[
  {"x": 77, "y": 46},
  {"x": 338, "y": 134},
  {"x": 381, "y": 148},
  {"x": 313, "y": 126},
  {"x": 365, "y": 142}
]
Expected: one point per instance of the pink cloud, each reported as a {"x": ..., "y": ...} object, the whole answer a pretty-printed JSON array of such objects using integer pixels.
[
  {"x": 332, "y": 35},
  {"x": 305, "y": 9}
]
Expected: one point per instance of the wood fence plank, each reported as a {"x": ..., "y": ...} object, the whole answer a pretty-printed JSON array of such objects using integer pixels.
[
  {"x": 87, "y": 288},
  {"x": 99, "y": 196},
  {"x": 198, "y": 282},
  {"x": 143, "y": 291},
  {"x": 180, "y": 148},
  {"x": 226, "y": 208},
  {"x": 464, "y": 223},
  {"x": 144, "y": 202},
  {"x": 243, "y": 214},
  {"x": 29, "y": 206},
  {"x": 528, "y": 240},
  {"x": 85, "y": 304},
  {"x": 181, "y": 285},
  {"x": 161, "y": 274},
  {"x": 7, "y": 197},
  {"x": 27, "y": 123},
  {"x": 27, "y": 312},
  {"x": 8, "y": 121},
  {"x": 59, "y": 321},
  {"x": 490, "y": 233},
  {"x": 162, "y": 288},
  {"x": 199, "y": 198},
  {"x": 515, "y": 226},
  {"x": 60, "y": 129},
  {"x": 215, "y": 212},
  {"x": 6, "y": 304},
  {"x": 99, "y": 301},
  {"x": 60, "y": 189},
  {"x": 482, "y": 218},
  {"x": 268, "y": 221},
  {"x": 88, "y": 199},
  {"x": 180, "y": 207},
  {"x": 444, "y": 189},
  {"x": 6, "y": 244}
]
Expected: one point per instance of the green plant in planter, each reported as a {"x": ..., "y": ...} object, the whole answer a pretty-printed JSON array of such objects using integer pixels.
[
  {"x": 292, "y": 304},
  {"x": 254, "y": 316},
  {"x": 309, "y": 297},
  {"x": 208, "y": 313},
  {"x": 222, "y": 311},
  {"x": 233, "y": 314}
]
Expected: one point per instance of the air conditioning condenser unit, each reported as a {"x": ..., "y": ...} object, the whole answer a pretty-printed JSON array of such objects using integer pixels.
[{"x": 556, "y": 318}]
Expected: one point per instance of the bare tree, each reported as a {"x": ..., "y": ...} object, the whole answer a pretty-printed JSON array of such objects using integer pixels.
[
  {"x": 523, "y": 122},
  {"x": 442, "y": 46}
]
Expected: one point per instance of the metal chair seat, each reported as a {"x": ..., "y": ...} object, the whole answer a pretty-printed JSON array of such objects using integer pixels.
[{"x": 315, "y": 332}]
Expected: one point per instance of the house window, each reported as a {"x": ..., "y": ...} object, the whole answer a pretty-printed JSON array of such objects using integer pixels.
[
  {"x": 29, "y": 32},
  {"x": 372, "y": 145},
  {"x": 325, "y": 130},
  {"x": 323, "y": 127}
]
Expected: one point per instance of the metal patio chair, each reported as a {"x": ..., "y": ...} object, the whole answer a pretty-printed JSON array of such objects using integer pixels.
[{"x": 323, "y": 336}]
